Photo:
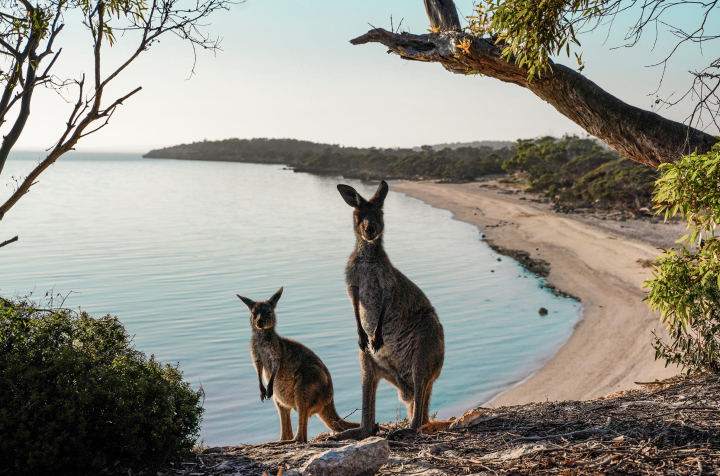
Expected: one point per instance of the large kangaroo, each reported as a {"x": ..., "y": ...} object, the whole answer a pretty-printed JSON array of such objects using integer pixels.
[
  {"x": 407, "y": 347},
  {"x": 297, "y": 378}
]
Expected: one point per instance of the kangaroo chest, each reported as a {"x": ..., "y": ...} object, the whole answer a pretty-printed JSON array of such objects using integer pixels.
[
  {"x": 268, "y": 352},
  {"x": 372, "y": 287}
]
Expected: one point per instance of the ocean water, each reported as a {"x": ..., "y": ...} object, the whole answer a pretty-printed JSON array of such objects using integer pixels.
[{"x": 166, "y": 245}]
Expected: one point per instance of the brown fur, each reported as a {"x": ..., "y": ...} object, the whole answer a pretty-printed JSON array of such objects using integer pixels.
[
  {"x": 297, "y": 378},
  {"x": 407, "y": 347}
]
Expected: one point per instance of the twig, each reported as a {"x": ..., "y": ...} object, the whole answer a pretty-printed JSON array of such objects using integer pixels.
[
  {"x": 554, "y": 437},
  {"x": 11, "y": 240}
]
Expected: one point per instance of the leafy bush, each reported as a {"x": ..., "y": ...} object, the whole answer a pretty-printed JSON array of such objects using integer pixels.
[
  {"x": 462, "y": 164},
  {"x": 581, "y": 171},
  {"x": 684, "y": 288},
  {"x": 620, "y": 183},
  {"x": 76, "y": 396}
]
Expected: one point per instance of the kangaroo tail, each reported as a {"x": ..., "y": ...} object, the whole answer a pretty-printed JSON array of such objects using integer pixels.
[{"x": 332, "y": 420}]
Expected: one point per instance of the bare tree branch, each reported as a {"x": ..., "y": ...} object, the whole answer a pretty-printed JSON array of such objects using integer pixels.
[
  {"x": 162, "y": 18},
  {"x": 7, "y": 242},
  {"x": 640, "y": 135}
]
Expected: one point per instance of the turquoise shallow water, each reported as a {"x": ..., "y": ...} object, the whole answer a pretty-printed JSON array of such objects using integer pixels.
[{"x": 165, "y": 245}]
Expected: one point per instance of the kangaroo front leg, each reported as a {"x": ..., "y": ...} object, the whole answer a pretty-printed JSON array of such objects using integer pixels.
[
  {"x": 271, "y": 382},
  {"x": 263, "y": 391},
  {"x": 362, "y": 336},
  {"x": 377, "y": 340}
]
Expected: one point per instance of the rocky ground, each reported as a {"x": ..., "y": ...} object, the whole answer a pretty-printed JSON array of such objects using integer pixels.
[{"x": 667, "y": 427}]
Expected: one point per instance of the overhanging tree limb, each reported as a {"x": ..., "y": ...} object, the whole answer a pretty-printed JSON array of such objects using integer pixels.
[{"x": 640, "y": 135}]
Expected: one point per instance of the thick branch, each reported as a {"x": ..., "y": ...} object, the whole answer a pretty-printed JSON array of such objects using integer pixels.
[
  {"x": 30, "y": 53},
  {"x": 443, "y": 15},
  {"x": 63, "y": 145},
  {"x": 643, "y": 136}
]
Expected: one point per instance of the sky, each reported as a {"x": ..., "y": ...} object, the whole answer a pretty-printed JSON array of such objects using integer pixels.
[{"x": 287, "y": 70}]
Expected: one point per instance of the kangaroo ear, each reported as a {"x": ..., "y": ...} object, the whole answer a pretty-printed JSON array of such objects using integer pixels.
[
  {"x": 248, "y": 302},
  {"x": 275, "y": 297},
  {"x": 350, "y": 196},
  {"x": 380, "y": 194}
]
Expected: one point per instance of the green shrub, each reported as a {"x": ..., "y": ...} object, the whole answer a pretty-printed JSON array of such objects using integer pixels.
[
  {"x": 76, "y": 396},
  {"x": 620, "y": 183},
  {"x": 684, "y": 287}
]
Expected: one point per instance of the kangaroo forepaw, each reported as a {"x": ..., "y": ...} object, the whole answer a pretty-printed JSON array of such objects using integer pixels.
[
  {"x": 263, "y": 394},
  {"x": 377, "y": 342},
  {"x": 363, "y": 342},
  {"x": 269, "y": 393}
]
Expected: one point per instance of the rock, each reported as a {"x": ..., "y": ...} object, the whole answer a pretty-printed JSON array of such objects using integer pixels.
[
  {"x": 543, "y": 311},
  {"x": 472, "y": 418},
  {"x": 363, "y": 458}
]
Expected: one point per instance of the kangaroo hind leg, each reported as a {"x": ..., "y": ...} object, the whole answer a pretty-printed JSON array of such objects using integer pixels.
[
  {"x": 419, "y": 407},
  {"x": 426, "y": 408},
  {"x": 285, "y": 422}
]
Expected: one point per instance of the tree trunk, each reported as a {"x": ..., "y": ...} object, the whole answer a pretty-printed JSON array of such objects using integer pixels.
[{"x": 642, "y": 136}]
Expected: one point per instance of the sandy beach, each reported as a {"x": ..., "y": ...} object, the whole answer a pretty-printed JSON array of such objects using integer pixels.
[{"x": 591, "y": 258}]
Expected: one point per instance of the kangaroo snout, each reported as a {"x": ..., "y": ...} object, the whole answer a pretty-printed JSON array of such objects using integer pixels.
[{"x": 370, "y": 232}]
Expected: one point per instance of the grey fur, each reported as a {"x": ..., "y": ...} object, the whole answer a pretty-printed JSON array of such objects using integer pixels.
[
  {"x": 407, "y": 347},
  {"x": 297, "y": 378}
]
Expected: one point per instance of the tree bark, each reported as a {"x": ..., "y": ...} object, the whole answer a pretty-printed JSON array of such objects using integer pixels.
[
  {"x": 640, "y": 135},
  {"x": 443, "y": 15}
]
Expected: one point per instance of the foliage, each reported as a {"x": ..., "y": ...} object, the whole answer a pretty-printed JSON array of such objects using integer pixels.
[
  {"x": 684, "y": 287},
  {"x": 463, "y": 164},
  {"x": 533, "y": 30},
  {"x": 582, "y": 171},
  {"x": 77, "y": 396},
  {"x": 621, "y": 183},
  {"x": 561, "y": 162},
  {"x": 29, "y": 55}
]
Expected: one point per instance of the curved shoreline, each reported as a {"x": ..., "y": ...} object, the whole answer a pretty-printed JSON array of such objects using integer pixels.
[{"x": 609, "y": 349}]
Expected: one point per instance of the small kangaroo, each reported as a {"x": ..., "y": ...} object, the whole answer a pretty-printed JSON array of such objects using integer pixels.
[
  {"x": 297, "y": 378},
  {"x": 408, "y": 346}
]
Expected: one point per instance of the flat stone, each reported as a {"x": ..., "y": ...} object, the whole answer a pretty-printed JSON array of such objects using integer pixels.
[{"x": 363, "y": 458}]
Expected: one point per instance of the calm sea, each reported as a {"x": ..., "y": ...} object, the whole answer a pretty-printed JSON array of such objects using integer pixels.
[{"x": 165, "y": 245}]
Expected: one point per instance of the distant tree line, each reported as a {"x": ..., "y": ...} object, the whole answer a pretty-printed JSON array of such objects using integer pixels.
[
  {"x": 459, "y": 164},
  {"x": 571, "y": 170}
]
